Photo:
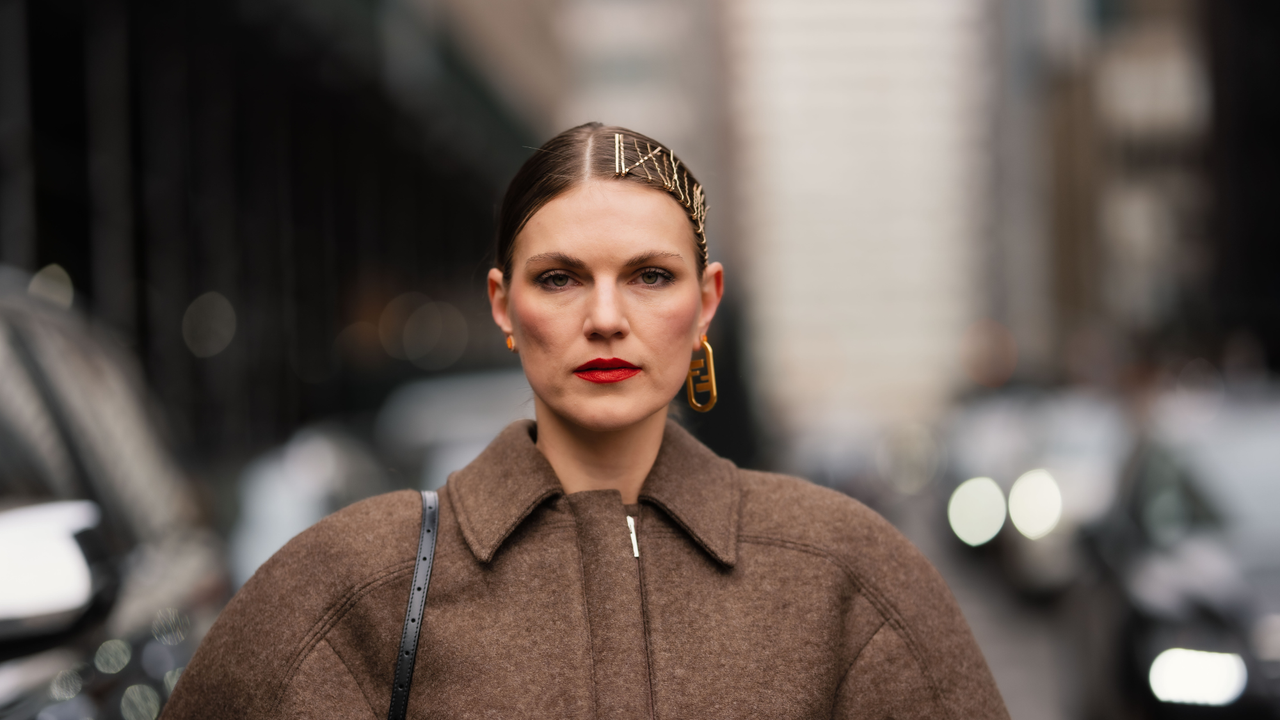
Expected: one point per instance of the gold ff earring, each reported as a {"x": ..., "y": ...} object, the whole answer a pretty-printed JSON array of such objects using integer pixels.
[
  {"x": 709, "y": 386},
  {"x": 511, "y": 343}
]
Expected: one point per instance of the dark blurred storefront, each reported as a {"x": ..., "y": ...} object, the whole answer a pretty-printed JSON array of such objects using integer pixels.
[
  {"x": 240, "y": 191},
  {"x": 1245, "y": 167},
  {"x": 1162, "y": 154}
]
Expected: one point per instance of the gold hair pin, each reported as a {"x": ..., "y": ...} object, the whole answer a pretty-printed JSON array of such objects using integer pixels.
[{"x": 674, "y": 180}]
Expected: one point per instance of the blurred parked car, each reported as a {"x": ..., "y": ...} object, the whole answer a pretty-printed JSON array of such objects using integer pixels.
[
  {"x": 108, "y": 577},
  {"x": 1181, "y": 617},
  {"x": 320, "y": 470},
  {"x": 441, "y": 424},
  {"x": 425, "y": 430},
  {"x": 1031, "y": 469}
]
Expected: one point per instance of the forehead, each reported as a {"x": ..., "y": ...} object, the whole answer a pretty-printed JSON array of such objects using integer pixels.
[{"x": 610, "y": 219}]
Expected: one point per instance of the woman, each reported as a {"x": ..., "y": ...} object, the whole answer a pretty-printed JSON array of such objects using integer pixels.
[{"x": 601, "y": 563}]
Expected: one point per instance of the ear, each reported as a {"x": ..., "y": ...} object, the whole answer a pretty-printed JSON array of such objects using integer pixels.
[
  {"x": 499, "y": 301},
  {"x": 712, "y": 292}
]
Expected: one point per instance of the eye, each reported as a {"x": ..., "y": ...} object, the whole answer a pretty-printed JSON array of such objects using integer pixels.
[
  {"x": 554, "y": 280},
  {"x": 654, "y": 277}
]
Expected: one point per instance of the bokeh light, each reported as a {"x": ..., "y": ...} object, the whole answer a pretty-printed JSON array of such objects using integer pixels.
[
  {"x": 439, "y": 336},
  {"x": 395, "y": 316},
  {"x": 112, "y": 656},
  {"x": 171, "y": 679},
  {"x": 422, "y": 331},
  {"x": 53, "y": 285},
  {"x": 908, "y": 458},
  {"x": 976, "y": 510},
  {"x": 1035, "y": 504},
  {"x": 66, "y": 685},
  {"x": 140, "y": 702},
  {"x": 209, "y": 325},
  {"x": 1196, "y": 677},
  {"x": 170, "y": 626}
]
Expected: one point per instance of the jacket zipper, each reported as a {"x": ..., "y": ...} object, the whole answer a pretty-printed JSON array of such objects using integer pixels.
[
  {"x": 635, "y": 551},
  {"x": 635, "y": 546}
]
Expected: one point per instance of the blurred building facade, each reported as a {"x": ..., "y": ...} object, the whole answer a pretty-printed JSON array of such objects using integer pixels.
[
  {"x": 241, "y": 191},
  {"x": 860, "y": 132},
  {"x": 1127, "y": 120}
]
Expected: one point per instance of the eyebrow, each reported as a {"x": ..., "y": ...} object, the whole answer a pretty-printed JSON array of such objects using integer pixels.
[
  {"x": 643, "y": 258},
  {"x": 559, "y": 258},
  {"x": 556, "y": 258}
]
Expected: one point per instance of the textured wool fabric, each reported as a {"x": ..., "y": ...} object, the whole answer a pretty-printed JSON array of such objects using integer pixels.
[{"x": 754, "y": 596}]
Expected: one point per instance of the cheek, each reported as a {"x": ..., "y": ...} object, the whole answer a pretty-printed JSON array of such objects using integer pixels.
[
  {"x": 541, "y": 325},
  {"x": 677, "y": 325},
  {"x": 668, "y": 331}
]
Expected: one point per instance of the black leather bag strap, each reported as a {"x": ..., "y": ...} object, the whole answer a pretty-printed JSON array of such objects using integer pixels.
[{"x": 417, "y": 601}]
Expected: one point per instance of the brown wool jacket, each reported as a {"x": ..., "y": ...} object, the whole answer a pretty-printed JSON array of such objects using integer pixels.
[{"x": 754, "y": 596}]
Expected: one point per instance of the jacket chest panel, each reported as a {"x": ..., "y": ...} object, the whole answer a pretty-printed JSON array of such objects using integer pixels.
[
  {"x": 493, "y": 632},
  {"x": 761, "y": 639}
]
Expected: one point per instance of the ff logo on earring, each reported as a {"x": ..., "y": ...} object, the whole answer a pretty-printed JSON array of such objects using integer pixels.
[{"x": 709, "y": 386}]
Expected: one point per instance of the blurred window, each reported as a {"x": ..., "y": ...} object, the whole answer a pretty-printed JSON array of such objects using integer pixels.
[
  {"x": 29, "y": 442},
  {"x": 21, "y": 479},
  {"x": 1170, "y": 506}
]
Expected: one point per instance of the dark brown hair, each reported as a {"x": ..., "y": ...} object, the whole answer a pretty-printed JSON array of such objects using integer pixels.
[{"x": 588, "y": 152}]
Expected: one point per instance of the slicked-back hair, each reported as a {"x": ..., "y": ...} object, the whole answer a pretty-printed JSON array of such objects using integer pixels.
[{"x": 575, "y": 156}]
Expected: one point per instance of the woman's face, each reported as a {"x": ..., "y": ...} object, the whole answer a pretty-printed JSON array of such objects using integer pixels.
[{"x": 605, "y": 304}]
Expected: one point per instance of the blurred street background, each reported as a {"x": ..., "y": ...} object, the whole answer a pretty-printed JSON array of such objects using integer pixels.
[{"x": 1008, "y": 271}]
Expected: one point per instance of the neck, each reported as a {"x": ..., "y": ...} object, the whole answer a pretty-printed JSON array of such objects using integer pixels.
[{"x": 600, "y": 460}]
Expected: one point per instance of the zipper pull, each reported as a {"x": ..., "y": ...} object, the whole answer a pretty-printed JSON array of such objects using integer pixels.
[{"x": 635, "y": 546}]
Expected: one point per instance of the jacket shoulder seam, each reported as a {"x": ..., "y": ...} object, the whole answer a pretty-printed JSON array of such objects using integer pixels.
[
  {"x": 844, "y": 677},
  {"x": 324, "y": 641},
  {"x": 887, "y": 610},
  {"x": 332, "y": 616}
]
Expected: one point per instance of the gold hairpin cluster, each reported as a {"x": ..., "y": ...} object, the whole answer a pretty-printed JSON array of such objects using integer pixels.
[{"x": 674, "y": 179}]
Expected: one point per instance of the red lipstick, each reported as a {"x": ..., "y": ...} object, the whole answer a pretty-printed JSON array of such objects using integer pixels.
[{"x": 601, "y": 370}]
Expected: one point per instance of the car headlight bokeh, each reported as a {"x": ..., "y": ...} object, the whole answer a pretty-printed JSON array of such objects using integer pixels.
[
  {"x": 976, "y": 510},
  {"x": 45, "y": 571},
  {"x": 1035, "y": 504},
  {"x": 1196, "y": 677}
]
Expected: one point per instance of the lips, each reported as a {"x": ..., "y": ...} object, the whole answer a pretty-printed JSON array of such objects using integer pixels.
[{"x": 601, "y": 370}]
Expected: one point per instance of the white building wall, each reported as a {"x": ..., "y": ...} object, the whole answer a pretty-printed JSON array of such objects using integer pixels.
[
  {"x": 860, "y": 173},
  {"x": 650, "y": 66}
]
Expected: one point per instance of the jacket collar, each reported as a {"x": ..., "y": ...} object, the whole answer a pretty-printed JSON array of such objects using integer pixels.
[{"x": 501, "y": 487}]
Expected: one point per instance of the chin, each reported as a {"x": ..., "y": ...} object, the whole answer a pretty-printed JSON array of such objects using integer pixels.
[{"x": 607, "y": 414}]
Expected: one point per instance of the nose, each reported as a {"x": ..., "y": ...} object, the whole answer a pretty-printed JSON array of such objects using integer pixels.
[{"x": 606, "y": 318}]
